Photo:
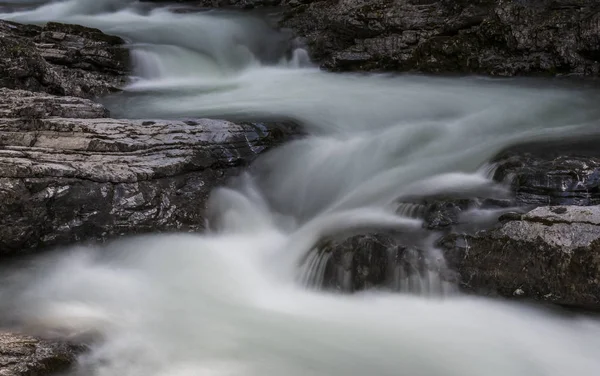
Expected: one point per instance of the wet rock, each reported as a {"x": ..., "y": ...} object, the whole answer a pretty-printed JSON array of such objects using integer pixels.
[
  {"x": 552, "y": 173},
  {"x": 497, "y": 37},
  {"x": 22, "y": 355},
  {"x": 73, "y": 179},
  {"x": 61, "y": 59},
  {"x": 358, "y": 263},
  {"x": 551, "y": 253},
  {"x": 381, "y": 261}
]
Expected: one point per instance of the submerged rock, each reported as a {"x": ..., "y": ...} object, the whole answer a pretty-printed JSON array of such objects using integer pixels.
[
  {"x": 64, "y": 180},
  {"x": 551, "y": 253},
  {"x": 382, "y": 261},
  {"x": 22, "y": 355},
  {"x": 61, "y": 59}
]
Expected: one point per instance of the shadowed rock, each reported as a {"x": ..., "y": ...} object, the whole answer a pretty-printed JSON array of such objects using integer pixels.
[
  {"x": 552, "y": 173},
  {"x": 61, "y": 59}
]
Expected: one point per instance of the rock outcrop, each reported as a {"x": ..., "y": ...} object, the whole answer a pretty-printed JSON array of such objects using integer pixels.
[
  {"x": 22, "y": 355},
  {"x": 497, "y": 37},
  {"x": 84, "y": 177},
  {"x": 551, "y": 253},
  {"x": 61, "y": 59}
]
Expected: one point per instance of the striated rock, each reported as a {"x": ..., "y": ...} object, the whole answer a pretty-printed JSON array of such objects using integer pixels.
[
  {"x": 26, "y": 104},
  {"x": 551, "y": 253},
  {"x": 22, "y": 355},
  {"x": 61, "y": 59},
  {"x": 71, "y": 179}
]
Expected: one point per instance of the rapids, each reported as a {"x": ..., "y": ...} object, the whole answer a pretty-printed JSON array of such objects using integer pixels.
[{"x": 228, "y": 302}]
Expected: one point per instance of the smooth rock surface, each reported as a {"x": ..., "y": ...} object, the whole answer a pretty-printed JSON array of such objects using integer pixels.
[
  {"x": 64, "y": 180},
  {"x": 21, "y": 355},
  {"x": 61, "y": 59}
]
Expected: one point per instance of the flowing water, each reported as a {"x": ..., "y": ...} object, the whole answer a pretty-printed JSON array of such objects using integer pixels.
[{"x": 228, "y": 302}]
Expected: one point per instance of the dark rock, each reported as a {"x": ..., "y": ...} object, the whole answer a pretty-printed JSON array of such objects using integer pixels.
[
  {"x": 550, "y": 253},
  {"x": 552, "y": 173},
  {"x": 73, "y": 179},
  {"x": 382, "y": 260},
  {"x": 61, "y": 59},
  {"x": 22, "y": 355},
  {"x": 497, "y": 37}
]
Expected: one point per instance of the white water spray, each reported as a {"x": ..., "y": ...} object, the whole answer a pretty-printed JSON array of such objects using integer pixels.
[{"x": 228, "y": 302}]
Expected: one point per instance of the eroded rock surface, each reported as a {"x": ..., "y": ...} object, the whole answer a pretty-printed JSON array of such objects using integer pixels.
[
  {"x": 61, "y": 59},
  {"x": 551, "y": 253},
  {"x": 497, "y": 37},
  {"x": 72, "y": 179},
  {"x": 21, "y": 355}
]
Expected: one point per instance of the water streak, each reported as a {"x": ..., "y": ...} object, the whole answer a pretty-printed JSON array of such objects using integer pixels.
[{"x": 228, "y": 302}]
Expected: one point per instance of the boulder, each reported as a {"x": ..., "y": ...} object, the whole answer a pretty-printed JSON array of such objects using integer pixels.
[
  {"x": 548, "y": 254},
  {"x": 539, "y": 174},
  {"x": 380, "y": 261},
  {"x": 61, "y": 59},
  {"x": 64, "y": 180},
  {"x": 551, "y": 253},
  {"x": 21, "y": 355}
]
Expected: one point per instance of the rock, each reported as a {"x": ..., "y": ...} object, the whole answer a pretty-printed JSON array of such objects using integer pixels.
[
  {"x": 61, "y": 59},
  {"x": 551, "y": 253},
  {"x": 379, "y": 261},
  {"x": 26, "y": 104},
  {"x": 552, "y": 173},
  {"x": 548, "y": 254},
  {"x": 73, "y": 179},
  {"x": 22, "y": 355},
  {"x": 497, "y": 37}
]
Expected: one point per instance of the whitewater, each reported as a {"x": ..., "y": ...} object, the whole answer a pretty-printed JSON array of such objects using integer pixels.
[{"x": 231, "y": 301}]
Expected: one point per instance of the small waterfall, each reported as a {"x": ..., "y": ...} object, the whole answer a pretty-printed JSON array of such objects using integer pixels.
[{"x": 377, "y": 149}]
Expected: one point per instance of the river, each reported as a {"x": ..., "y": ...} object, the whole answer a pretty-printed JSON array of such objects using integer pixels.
[{"x": 228, "y": 302}]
